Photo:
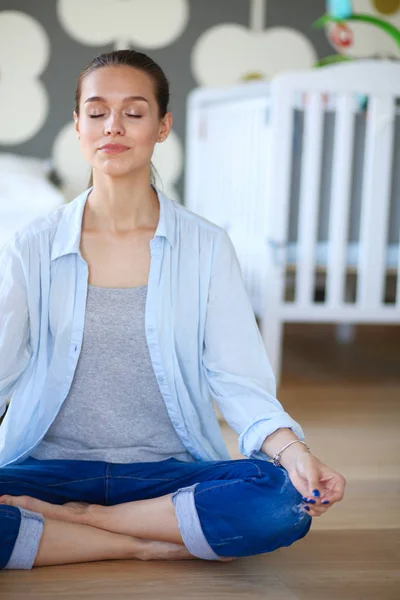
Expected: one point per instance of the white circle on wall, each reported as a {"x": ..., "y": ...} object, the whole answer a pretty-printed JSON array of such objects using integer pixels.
[
  {"x": 168, "y": 160},
  {"x": 20, "y": 121},
  {"x": 368, "y": 40},
  {"x": 19, "y": 31},
  {"x": 69, "y": 163},
  {"x": 148, "y": 23},
  {"x": 23, "y": 98},
  {"x": 228, "y": 54}
]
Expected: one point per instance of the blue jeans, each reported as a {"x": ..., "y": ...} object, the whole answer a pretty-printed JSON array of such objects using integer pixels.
[{"x": 243, "y": 507}]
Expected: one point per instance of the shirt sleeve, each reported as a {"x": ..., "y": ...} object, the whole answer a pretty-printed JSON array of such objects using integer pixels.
[
  {"x": 235, "y": 361},
  {"x": 15, "y": 351}
]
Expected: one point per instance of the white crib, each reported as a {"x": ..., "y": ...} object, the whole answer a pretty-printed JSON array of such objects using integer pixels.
[
  {"x": 304, "y": 179},
  {"x": 225, "y": 171}
]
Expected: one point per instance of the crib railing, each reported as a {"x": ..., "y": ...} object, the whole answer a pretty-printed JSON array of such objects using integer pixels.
[
  {"x": 376, "y": 85},
  {"x": 346, "y": 83}
]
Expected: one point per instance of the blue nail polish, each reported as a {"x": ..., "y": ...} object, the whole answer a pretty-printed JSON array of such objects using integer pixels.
[
  {"x": 325, "y": 502},
  {"x": 316, "y": 493},
  {"x": 311, "y": 501},
  {"x": 306, "y": 508},
  {"x": 304, "y": 498}
]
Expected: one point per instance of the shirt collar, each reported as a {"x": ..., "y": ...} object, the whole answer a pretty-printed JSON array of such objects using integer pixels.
[{"x": 68, "y": 234}]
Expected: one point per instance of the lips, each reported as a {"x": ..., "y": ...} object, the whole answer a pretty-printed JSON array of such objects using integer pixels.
[{"x": 114, "y": 148}]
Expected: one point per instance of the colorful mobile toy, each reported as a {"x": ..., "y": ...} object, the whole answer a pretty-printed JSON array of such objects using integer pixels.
[{"x": 340, "y": 12}]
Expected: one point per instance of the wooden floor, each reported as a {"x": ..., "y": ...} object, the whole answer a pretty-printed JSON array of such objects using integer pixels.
[
  {"x": 335, "y": 565},
  {"x": 347, "y": 398}
]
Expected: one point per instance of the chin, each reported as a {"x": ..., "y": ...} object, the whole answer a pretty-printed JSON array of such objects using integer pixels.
[
  {"x": 114, "y": 167},
  {"x": 115, "y": 172}
]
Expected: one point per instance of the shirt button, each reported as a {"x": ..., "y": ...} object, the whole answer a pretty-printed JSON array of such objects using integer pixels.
[
  {"x": 160, "y": 379},
  {"x": 150, "y": 330}
]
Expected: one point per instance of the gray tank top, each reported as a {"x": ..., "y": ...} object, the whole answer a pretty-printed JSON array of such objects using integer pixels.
[{"x": 114, "y": 411}]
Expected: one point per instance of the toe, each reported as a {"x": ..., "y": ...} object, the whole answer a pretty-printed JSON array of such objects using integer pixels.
[{"x": 26, "y": 502}]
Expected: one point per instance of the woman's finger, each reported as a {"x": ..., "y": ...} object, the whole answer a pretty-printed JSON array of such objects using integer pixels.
[
  {"x": 317, "y": 507},
  {"x": 315, "y": 511},
  {"x": 334, "y": 495},
  {"x": 317, "y": 501},
  {"x": 314, "y": 485}
]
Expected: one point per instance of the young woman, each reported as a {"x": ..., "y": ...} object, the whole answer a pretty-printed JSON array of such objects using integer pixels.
[{"x": 122, "y": 315}]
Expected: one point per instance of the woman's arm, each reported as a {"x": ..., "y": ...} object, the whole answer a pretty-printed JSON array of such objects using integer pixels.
[
  {"x": 241, "y": 380},
  {"x": 15, "y": 349},
  {"x": 235, "y": 361}
]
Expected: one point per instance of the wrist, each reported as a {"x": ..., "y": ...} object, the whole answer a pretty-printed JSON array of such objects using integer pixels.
[
  {"x": 275, "y": 443},
  {"x": 291, "y": 455}
]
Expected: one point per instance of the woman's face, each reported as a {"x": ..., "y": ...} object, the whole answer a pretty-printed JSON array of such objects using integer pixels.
[{"x": 118, "y": 121}]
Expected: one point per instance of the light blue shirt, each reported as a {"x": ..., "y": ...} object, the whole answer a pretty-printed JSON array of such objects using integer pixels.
[{"x": 201, "y": 332}]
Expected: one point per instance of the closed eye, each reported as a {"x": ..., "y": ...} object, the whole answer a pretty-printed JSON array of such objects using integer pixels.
[{"x": 97, "y": 116}]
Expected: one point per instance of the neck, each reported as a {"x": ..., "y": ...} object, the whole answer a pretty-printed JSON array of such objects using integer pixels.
[{"x": 120, "y": 205}]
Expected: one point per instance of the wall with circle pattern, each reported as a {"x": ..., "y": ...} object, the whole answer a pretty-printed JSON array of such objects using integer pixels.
[{"x": 44, "y": 45}]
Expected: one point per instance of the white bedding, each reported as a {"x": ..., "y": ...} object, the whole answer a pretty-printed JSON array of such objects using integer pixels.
[{"x": 25, "y": 192}]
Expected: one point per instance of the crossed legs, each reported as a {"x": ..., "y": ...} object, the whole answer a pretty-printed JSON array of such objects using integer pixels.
[{"x": 143, "y": 530}]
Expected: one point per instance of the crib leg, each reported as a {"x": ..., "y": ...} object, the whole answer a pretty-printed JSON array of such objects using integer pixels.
[{"x": 345, "y": 333}]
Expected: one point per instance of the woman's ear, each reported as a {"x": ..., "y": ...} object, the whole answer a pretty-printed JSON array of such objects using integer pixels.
[{"x": 165, "y": 126}]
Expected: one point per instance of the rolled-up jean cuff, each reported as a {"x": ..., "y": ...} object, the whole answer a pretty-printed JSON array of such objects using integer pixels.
[
  {"x": 27, "y": 543},
  {"x": 189, "y": 524}
]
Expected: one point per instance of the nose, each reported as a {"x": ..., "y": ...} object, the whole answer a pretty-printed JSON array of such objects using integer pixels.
[{"x": 113, "y": 125}]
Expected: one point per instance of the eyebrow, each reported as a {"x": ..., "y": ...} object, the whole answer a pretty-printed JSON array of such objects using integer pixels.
[{"x": 101, "y": 99}]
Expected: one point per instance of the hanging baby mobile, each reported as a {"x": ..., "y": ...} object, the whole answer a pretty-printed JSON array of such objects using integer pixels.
[{"x": 340, "y": 14}]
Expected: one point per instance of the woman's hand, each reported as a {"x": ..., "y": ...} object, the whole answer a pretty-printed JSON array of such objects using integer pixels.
[{"x": 319, "y": 485}]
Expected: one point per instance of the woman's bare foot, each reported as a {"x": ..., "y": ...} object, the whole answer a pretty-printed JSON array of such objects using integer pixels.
[
  {"x": 72, "y": 512},
  {"x": 151, "y": 550}
]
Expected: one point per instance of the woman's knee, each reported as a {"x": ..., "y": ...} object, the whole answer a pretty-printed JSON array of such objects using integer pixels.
[{"x": 278, "y": 517}]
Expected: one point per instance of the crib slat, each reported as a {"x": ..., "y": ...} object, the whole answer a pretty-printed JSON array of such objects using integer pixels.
[
  {"x": 375, "y": 202},
  {"x": 340, "y": 198},
  {"x": 309, "y": 197}
]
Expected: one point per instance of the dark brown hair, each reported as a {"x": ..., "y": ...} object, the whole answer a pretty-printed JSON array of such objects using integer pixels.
[{"x": 136, "y": 60}]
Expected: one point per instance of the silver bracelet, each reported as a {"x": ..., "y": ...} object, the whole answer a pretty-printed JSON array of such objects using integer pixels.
[{"x": 277, "y": 456}]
